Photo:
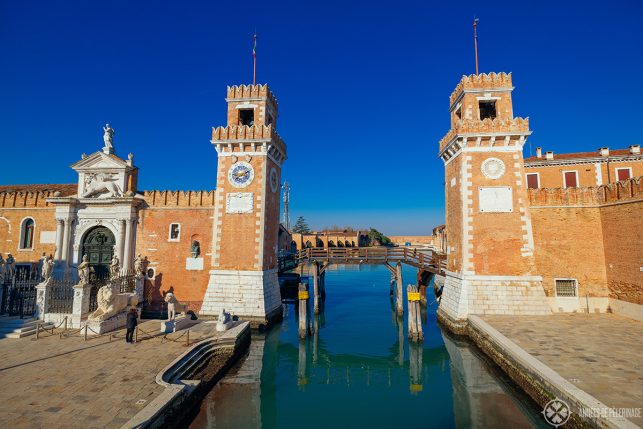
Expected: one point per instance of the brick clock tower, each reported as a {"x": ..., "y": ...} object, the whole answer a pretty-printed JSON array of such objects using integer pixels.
[
  {"x": 243, "y": 276},
  {"x": 490, "y": 250}
]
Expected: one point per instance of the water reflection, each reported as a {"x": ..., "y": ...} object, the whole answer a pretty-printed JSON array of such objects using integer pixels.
[{"x": 367, "y": 375}]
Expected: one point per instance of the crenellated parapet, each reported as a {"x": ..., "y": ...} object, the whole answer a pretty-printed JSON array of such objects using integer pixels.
[
  {"x": 482, "y": 81},
  {"x": 488, "y": 132},
  {"x": 249, "y": 139},
  {"x": 624, "y": 191},
  {"x": 184, "y": 199},
  {"x": 249, "y": 92},
  {"x": 20, "y": 199}
]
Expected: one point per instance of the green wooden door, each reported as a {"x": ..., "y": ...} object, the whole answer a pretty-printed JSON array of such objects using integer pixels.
[{"x": 99, "y": 247}]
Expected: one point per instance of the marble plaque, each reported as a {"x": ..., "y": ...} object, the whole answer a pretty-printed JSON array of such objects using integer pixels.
[
  {"x": 495, "y": 199},
  {"x": 193, "y": 264},
  {"x": 239, "y": 202},
  {"x": 47, "y": 237}
]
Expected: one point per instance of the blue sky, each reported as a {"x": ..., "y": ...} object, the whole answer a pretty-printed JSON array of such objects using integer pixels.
[{"x": 363, "y": 89}]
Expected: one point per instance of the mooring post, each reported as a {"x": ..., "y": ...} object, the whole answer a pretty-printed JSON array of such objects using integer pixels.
[
  {"x": 392, "y": 284},
  {"x": 412, "y": 296},
  {"x": 399, "y": 305},
  {"x": 422, "y": 286},
  {"x": 316, "y": 287},
  {"x": 415, "y": 368},
  {"x": 418, "y": 315},
  {"x": 303, "y": 307}
]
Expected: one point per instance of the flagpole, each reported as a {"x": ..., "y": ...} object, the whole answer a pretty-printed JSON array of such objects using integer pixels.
[
  {"x": 475, "y": 40},
  {"x": 254, "y": 56}
]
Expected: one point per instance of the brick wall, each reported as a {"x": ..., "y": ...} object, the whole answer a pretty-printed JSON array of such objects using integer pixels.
[
  {"x": 594, "y": 235},
  {"x": 194, "y": 212}
]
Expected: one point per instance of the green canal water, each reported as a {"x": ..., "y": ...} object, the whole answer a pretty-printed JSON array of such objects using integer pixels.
[{"x": 360, "y": 371}]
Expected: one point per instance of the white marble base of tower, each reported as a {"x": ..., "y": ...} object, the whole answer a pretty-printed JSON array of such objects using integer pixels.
[
  {"x": 474, "y": 294},
  {"x": 251, "y": 295}
]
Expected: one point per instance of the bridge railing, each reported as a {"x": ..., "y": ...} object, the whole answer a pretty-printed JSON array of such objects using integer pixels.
[{"x": 423, "y": 258}]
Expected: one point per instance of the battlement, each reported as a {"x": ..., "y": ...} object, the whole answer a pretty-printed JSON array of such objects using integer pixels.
[
  {"x": 158, "y": 198},
  {"x": 472, "y": 126},
  {"x": 482, "y": 81},
  {"x": 245, "y": 92},
  {"x": 245, "y": 133},
  {"x": 627, "y": 190},
  {"x": 20, "y": 199}
]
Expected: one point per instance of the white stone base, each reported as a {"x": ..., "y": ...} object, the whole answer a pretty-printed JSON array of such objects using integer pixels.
[
  {"x": 247, "y": 294},
  {"x": 169, "y": 326},
  {"x": 471, "y": 294},
  {"x": 113, "y": 323}
]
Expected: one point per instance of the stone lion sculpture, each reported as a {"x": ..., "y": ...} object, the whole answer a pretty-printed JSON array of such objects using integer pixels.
[
  {"x": 174, "y": 306},
  {"x": 110, "y": 303},
  {"x": 102, "y": 185}
]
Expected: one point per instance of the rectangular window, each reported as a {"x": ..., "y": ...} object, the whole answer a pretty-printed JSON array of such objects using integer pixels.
[
  {"x": 570, "y": 179},
  {"x": 246, "y": 117},
  {"x": 623, "y": 173},
  {"x": 487, "y": 109},
  {"x": 175, "y": 232},
  {"x": 533, "y": 181},
  {"x": 566, "y": 287}
]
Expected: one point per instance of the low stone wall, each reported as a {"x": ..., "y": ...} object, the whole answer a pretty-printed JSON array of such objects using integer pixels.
[{"x": 206, "y": 362}]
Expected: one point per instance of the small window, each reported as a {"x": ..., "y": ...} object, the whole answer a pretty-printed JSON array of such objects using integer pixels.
[
  {"x": 458, "y": 112},
  {"x": 150, "y": 273},
  {"x": 570, "y": 179},
  {"x": 175, "y": 232},
  {"x": 487, "y": 109},
  {"x": 246, "y": 117},
  {"x": 533, "y": 181},
  {"x": 566, "y": 287},
  {"x": 623, "y": 173},
  {"x": 26, "y": 233},
  {"x": 269, "y": 120}
]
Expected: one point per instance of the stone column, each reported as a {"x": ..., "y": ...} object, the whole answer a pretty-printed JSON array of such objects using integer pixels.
[
  {"x": 127, "y": 263},
  {"x": 121, "y": 247},
  {"x": 66, "y": 234},
  {"x": 42, "y": 297},
  {"x": 81, "y": 303},
  {"x": 59, "y": 239}
]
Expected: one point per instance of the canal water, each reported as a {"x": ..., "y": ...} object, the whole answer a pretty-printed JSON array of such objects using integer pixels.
[{"x": 359, "y": 371}]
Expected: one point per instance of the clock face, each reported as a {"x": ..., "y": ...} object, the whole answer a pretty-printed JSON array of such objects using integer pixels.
[
  {"x": 241, "y": 174},
  {"x": 274, "y": 181}
]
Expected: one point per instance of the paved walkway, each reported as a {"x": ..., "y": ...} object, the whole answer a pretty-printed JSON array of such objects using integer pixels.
[
  {"x": 71, "y": 383},
  {"x": 601, "y": 354}
]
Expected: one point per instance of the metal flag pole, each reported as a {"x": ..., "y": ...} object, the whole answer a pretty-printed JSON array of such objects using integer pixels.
[
  {"x": 475, "y": 40},
  {"x": 254, "y": 56}
]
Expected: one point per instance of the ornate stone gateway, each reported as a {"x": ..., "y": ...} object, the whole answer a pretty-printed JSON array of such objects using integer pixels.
[{"x": 98, "y": 245}]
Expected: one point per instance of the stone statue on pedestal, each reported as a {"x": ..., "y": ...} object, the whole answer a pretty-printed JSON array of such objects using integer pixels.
[
  {"x": 114, "y": 267},
  {"x": 83, "y": 271},
  {"x": 174, "y": 306},
  {"x": 47, "y": 268},
  {"x": 108, "y": 136},
  {"x": 138, "y": 266},
  {"x": 10, "y": 266}
]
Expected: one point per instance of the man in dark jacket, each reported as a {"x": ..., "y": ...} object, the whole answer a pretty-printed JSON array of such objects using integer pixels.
[{"x": 131, "y": 324}]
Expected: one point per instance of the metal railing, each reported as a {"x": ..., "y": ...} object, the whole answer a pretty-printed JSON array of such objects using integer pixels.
[{"x": 61, "y": 296}]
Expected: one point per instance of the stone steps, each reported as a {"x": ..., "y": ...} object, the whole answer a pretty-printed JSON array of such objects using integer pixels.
[{"x": 14, "y": 327}]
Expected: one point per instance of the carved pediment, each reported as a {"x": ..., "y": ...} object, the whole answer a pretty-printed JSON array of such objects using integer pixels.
[
  {"x": 103, "y": 175},
  {"x": 101, "y": 161}
]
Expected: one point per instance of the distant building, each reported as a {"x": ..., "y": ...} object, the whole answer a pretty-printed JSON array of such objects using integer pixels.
[{"x": 326, "y": 239}]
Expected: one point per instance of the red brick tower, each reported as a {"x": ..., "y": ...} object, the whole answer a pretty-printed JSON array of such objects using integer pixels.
[
  {"x": 490, "y": 263},
  {"x": 243, "y": 276}
]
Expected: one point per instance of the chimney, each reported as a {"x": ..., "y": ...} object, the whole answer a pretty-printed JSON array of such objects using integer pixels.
[
  {"x": 539, "y": 152},
  {"x": 604, "y": 151},
  {"x": 635, "y": 149},
  {"x": 549, "y": 154}
]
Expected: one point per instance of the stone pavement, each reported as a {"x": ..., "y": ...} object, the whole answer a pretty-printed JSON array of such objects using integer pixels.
[
  {"x": 601, "y": 354},
  {"x": 52, "y": 382}
]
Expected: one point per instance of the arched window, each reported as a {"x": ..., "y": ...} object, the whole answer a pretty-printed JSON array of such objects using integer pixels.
[
  {"x": 331, "y": 243},
  {"x": 309, "y": 244},
  {"x": 26, "y": 233}
]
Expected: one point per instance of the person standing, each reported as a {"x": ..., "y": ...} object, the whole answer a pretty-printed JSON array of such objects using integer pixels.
[{"x": 132, "y": 321}]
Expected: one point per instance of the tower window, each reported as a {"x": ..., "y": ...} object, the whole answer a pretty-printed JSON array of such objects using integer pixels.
[
  {"x": 246, "y": 117},
  {"x": 487, "y": 109},
  {"x": 458, "y": 112},
  {"x": 26, "y": 233}
]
